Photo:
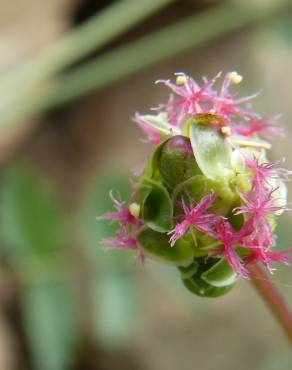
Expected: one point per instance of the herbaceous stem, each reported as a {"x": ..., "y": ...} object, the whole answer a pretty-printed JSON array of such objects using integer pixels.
[{"x": 273, "y": 299}]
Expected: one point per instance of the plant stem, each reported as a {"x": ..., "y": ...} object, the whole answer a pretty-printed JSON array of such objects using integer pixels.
[{"x": 273, "y": 299}]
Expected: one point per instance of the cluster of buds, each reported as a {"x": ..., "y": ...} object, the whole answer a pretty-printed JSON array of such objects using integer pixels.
[{"x": 208, "y": 200}]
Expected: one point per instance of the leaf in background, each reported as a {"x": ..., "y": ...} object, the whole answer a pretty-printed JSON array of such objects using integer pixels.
[
  {"x": 49, "y": 322},
  {"x": 30, "y": 219},
  {"x": 115, "y": 307},
  {"x": 32, "y": 229},
  {"x": 114, "y": 282},
  {"x": 92, "y": 231},
  {"x": 276, "y": 360}
]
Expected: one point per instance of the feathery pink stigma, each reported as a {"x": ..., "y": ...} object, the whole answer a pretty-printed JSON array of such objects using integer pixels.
[
  {"x": 230, "y": 240},
  {"x": 264, "y": 126},
  {"x": 229, "y": 108},
  {"x": 141, "y": 257},
  {"x": 125, "y": 237},
  {"x": 194, "y": 99},
  {"x": 258, "y": 204},
  {"x": 262, "y": 172},
  {"x": 257, "y": 254},
  {"x": 190, "y": 95},
  {"x": 122, "y": 215},
  {"x": 121, "y": 242},
  {"x": 153, "y": 135},
  {"x": 195, "y": 216}
]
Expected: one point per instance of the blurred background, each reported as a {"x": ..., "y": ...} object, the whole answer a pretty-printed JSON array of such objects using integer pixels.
[{"x": 72, "y": 74}]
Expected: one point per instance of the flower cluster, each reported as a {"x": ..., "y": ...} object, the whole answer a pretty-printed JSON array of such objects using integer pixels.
[{"x": 208, "y": 199}]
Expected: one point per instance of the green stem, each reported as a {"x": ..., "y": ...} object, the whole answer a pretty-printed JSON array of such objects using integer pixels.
[
  {"x": 153, "y": 48},
  {"x": 273, "y": 299}
]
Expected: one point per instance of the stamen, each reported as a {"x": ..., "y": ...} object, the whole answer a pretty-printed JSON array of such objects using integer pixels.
[{"x": 235, "y": 77}]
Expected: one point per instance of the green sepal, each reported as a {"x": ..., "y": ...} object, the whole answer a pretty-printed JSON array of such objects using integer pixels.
[
  {"x": 156, "y": 246},
  {"x": 160, "y": 123},
  {"x": 156, "y": 205},
  {"x": 151, "y": 167},
  {"x": 220, "y": 275},
  {"x": 143, "y": 192},
  {"x": 197, "y": 187},
  {"x": 238, "y": 140},
  {"x": 213, "y": 156},
  {"x": 199, "y": 286}
]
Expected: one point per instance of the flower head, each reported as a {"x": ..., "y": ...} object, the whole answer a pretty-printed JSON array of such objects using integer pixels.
[{"x": 208, "y": 146}]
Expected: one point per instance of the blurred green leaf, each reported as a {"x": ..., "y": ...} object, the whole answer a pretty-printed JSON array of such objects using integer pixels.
[
  {"x": 277, "y": 361},
  {"x": 93, "y": 231},
  {"x": 30, "y": 217},
  {"x": 49, "y": 323},
  {"x": 282, "y": 26},
  {"x": 115, "y": 299},
  {"x": 113, "y": 280}
]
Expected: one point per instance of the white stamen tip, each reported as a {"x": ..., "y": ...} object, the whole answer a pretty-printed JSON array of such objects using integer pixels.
[
  {"x": 181, "y": 79},
  {"x": 235, "y": 77},
  {"x": 134, "y": 209}
]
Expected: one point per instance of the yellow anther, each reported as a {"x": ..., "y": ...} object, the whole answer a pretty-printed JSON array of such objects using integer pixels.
[
  {"x": 134, "y": 209},
  {"x": 181, "y": 79},
  {"x": 226, "y": 131},
  {"x": 235, "y": 77}
]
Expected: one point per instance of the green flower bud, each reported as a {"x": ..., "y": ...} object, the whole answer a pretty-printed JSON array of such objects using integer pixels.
[
  {"x": 176, "y": 162},
  {"x": 211, "y": 278}
]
